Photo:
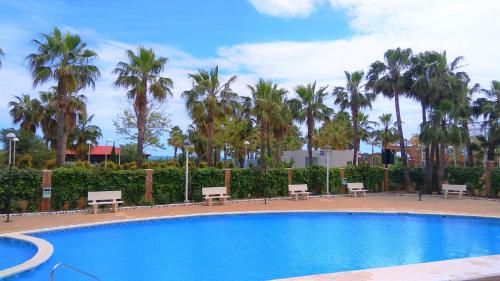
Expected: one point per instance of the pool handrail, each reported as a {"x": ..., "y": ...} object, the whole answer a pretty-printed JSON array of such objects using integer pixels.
[{"x": 72, "y": 268}]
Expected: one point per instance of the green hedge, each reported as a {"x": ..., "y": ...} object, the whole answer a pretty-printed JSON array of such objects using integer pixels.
[
  {"x": 495, "y": 181},
  {"x": 25, "y": 185},
  {"x": 470, "y": 176}
]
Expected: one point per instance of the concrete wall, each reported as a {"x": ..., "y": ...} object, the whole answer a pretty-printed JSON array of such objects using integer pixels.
[{"x": 337, "y": 158}]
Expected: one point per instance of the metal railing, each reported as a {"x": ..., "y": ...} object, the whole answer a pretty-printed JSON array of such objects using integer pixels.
[{"x": 71, "y": 268}]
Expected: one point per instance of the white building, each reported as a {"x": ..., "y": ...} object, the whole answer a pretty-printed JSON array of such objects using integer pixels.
[{"x": 337, "y": 158}]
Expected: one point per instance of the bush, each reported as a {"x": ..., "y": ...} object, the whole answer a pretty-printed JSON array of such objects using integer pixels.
[
  {"x": 470, "y": 176},
  {"x": 495, "y": 181},
  {"x": 25, "y": 185}
]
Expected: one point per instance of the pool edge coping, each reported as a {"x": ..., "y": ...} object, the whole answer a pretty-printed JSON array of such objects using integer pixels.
[
  {"x": 47, "y": 253},
  {"x": 44, "y": 252}
]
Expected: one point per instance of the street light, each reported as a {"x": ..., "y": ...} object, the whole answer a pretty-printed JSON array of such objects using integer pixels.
[
  {"x": 88, "y": 153},
  {"x": 187, "y": 145},
  {"x": 106, "y": 153},
  {"x": 246, "y": 143},
  {"x": 327, "y": 170},
  {"x": 14, "y": 140},
  {"x": 10, "y": 136}
]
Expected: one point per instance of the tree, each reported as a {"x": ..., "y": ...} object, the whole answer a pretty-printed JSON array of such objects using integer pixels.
[
  {"x": 155, "y": 125},
  {"x": 66, "y": 59},
  {"x": 26, "y": 112},
  {"x": 489, "y": 108},
  {"x": 268, "y": 99},
  {"x": 83, "y": 132},
  {"x": 176, "y": 139},
  {"x": 128, "y": 152},
  {"x": 31, "y": 152},
  {"x": 141, "y": 76},
  {"x": 206, "y": 99},
  {"x": 354, "y": 97},
  {"x": 387, "y": 133},
  {"x": 336, "y": 133},
  {"x": 387, "y": 78},
  {"x": 1, "y": 55},
  {"x": 309, "y": 106}
]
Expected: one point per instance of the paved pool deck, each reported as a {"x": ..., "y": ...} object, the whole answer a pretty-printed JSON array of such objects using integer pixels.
[{"x": 390, "y": 203}]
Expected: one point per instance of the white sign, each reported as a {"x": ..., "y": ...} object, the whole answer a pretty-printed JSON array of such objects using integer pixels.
[{"x": 46, "y": 192}]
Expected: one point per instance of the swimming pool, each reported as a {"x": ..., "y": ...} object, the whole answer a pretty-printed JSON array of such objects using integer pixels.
[{"x": 264, "y": 246}]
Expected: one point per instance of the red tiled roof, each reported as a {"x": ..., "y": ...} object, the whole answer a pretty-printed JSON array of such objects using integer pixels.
[{"x": 97, "y": 150}]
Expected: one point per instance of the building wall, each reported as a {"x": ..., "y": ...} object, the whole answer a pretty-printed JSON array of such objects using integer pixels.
[{"x": 337, "y": 158}]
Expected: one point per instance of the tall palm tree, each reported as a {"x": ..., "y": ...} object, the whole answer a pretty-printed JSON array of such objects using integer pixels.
[
  {"x": 176, "y": 139},
  {"x": 141, "y": 76},
  {"x": 26, "y": 112},
  {"x": 1, "y": 55},
  {"x": 309, "y": 106},
  {"x": 205, "y": 98},
  {"x": 268, "y": 100},
  {"x": 84, "y": 131},
  {"x": 387, "y": 133},
  {"x": 489, "y": 109},
  {"x": 354, "y": 97},
  {"x": 387, "y": 78},
  {"x": 66, "y": 59}
]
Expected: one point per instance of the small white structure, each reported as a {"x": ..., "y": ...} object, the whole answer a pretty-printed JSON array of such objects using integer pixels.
[
  {"x": 97, "y": 198},
  {"x": 337, "y": 158},
  {"x": 298, "y": 191},
  {"x": 355, "y": 188},
  {"x": 454, "y": 189},
  {"x": 210, "y": 193}
]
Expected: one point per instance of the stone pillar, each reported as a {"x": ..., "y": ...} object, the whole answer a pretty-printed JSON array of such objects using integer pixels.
[
  {"x": 487, "y": 177},
  {"x": 227, "y": 180},
  {"x": 386, "y": 179},
  {"x": 149, "y": 185},
  {"x": 290, "y": 175},
  {"x": 46, "y": 182},
  {"x": 342, "y": 175}
]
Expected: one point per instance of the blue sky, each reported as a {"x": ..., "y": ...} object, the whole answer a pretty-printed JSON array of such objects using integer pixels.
[{"x": 289, "y": 41}]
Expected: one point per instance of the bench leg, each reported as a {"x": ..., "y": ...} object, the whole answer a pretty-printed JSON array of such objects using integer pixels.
[
  {"x": 223, "y": 201},
  {"x": 364, "y": 193},
  {"x": 115, "y": 207},
  {"x": 460, "y": 195},
  {"x": 445, "y": 194},
  {"x": 94, "y": 209}
]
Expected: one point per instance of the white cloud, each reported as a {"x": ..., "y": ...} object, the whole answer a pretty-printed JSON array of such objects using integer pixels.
[{"x": 286, "y": 8}]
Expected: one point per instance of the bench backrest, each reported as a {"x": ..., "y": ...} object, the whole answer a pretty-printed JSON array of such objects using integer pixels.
[
  {"x": 104, "y": 195},
  {"x": 220, "y": 190},
  {"x": 454, "y": 187},
  {"x": 297, "y": 187},
  {"x": 354, "y": 185}
]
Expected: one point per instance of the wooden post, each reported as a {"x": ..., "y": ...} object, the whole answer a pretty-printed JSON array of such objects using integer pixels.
[
  {"x": 227, "y": 180},
  {"x": 386, "y": 179},
  {"x": 487, "y": 177},
  {"x": 149, "y": 185},
  {"x": 290, "y": 175},
  {"x": 46, "y": 183}
]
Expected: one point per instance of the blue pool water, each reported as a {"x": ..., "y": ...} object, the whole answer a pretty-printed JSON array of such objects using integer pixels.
[
  {"x": 264, "y": 246},
  {"x": 14, "y": 252}
]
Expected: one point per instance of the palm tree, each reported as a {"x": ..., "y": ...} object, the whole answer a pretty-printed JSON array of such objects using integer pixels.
[
  {"x": 1, "y": 55},
  {"x": 489, "y": 109},
  {"x": 268, "y": 99},
  {"x": 141, "y": 76},
  {"x": 66, "y": 59},
  {"x": 354, "y": 97},
  {"x": 84, "y": 131},
  {"x": 387, "y": 78},
  {"x": 176, "y": 139},
  {"x": 336, "y": 133},
  {"x": 205, "y": 98},
  {"x": 309, "y": 106},
  {"x": 26, "y": 112}
]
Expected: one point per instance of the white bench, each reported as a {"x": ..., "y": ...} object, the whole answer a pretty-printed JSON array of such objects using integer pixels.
[
  {"x": 210, "y": 193},
  {"x": 97, "y": 198},
  {"x": 455, "y": 189},
  {"x": 298, "y": 191},
  {"x": 356, "y": 188}
]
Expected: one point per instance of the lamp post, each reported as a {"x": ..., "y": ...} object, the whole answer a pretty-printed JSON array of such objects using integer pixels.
[
  {"x": 89, "y": 143},
  {"x": 187, "y": 145},
  {"x": 328, "y": 170},
  {"x": 106, "y": 153},
  {"x": 14, "y": 140},
  {"x": 246, "y": 143},
  {"x": 10, "y": 136}
]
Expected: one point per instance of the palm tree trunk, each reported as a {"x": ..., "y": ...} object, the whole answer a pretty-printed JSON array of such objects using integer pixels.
[
  {"x": 141, "y": 130},
  {"x": 310, "y": 132},
  {"x": 442, "y": 165},
  {"x": 428, "y": 164},
  {"x": 430, "y": 168},
  {"x": 355, "y": 135},
  {"x": 61, "y": 122},
  {"x": 490, "y": 153},
  {"x": 404, "y": 160},
  {"x": 268, "y": 140},
  {"x": 262, "y": 143},
  {"x": 175, "y": 152},
  {"x": 210, "y": 135}
]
